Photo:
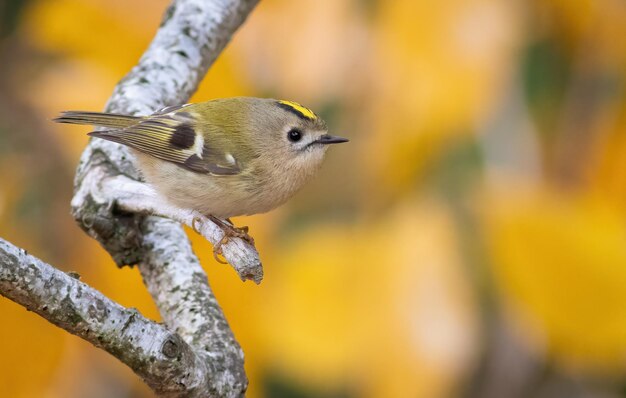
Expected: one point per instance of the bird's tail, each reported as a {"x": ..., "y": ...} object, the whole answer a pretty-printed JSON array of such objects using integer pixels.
[{"x": 110, "y": 120}]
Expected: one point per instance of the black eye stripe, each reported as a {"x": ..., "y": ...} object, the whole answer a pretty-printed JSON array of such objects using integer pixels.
[{"x": 294, "y": 135}]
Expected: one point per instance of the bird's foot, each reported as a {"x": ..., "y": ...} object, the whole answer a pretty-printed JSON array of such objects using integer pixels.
[{"x": 230, "y": 231}]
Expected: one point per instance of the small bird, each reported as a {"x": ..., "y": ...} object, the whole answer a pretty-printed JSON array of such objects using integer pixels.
[{"x": 223, "y": 158}]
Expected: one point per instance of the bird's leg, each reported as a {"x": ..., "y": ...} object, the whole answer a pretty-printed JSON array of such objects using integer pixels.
[{"x": 230, "y": 231}]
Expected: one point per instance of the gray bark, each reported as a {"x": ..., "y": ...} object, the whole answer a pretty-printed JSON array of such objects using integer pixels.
[{"x": 161, "y": 357}]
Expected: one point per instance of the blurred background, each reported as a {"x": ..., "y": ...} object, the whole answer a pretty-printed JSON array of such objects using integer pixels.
[{"x": 470, "y": 241}]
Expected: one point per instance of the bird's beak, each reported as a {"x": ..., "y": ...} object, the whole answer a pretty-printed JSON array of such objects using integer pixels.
[{"x": 330, "y": 139}]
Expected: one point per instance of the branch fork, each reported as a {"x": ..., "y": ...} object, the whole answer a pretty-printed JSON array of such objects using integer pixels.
[{"x": 193, "y": 353}]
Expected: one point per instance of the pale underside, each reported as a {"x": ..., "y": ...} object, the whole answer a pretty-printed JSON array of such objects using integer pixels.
[{"x": 228, "y": 196}]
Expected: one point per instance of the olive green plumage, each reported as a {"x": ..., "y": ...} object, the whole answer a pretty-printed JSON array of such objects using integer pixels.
[{"x": 224, "y": 157}]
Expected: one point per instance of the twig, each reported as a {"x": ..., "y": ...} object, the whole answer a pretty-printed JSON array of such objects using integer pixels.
[{"x": 132, "y": 196}]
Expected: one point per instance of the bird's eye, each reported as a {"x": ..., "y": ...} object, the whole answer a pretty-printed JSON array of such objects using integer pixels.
[{"x": 294, "y": 135}]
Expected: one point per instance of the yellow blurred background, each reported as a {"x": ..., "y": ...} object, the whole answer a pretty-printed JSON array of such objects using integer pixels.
[{"x": 470, "y": 240}]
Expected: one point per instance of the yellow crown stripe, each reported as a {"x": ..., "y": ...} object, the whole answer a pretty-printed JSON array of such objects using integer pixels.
[{"x": 306, "y": 112}]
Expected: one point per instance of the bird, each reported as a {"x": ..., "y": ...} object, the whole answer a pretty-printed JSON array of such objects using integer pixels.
[{"x": 222, "y": 158}]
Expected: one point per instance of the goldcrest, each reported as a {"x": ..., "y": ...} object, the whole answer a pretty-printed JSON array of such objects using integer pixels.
[{"x": 225, "y": 157}]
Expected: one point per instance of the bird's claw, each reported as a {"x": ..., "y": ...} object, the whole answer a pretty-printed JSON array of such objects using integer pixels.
[
  {"x": 193, "y": 224},
  {"x": 217, "y": 250},
  {"x": 230, "y": 231}
]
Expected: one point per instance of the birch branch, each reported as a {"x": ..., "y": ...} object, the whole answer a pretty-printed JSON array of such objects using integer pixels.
[
  {"x": 162, "y": 358},
  {"x": 191, "y": 36},
  {"x": 195, "y": 353}
]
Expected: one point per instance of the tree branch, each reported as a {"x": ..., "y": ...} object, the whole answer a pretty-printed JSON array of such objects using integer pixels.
[
  {"x": 167, "y": 364},
  {"x": 197, "y": 354}
]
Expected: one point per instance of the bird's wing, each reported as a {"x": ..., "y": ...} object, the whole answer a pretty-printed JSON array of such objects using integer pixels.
[{"x": 176, "y": 137}]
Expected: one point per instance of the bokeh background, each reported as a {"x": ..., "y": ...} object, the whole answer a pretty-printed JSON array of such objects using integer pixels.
[{"x": 470, "y": 240}]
